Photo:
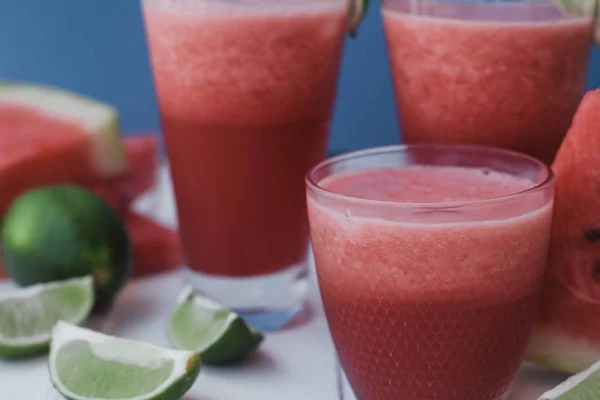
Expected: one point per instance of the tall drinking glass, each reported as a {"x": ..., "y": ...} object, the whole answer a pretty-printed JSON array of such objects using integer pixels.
[
  {"x": 501, "y": 73},
  {"x": 245, "y": 90},
  {"x": 430, "y": 261}
]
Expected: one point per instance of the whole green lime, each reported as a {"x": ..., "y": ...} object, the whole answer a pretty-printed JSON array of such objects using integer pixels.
[{"x": 60, "y": 232}]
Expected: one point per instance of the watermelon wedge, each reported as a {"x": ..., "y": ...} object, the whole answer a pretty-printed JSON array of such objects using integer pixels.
[
  {"x": 49, "y": 135},
  {"x": 156, "y": 248},
  {"x": 142, "y": 157},
  {"x": 567, "y": 333}
]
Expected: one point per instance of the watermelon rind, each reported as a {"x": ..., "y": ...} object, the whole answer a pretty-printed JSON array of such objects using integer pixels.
[
  {"x": 554, "y": 349},
  {"x": 100, "y": 121}
]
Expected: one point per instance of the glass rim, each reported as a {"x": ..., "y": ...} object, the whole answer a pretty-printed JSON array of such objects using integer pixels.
[
  {"x": 487, "y": 6},
  {"x": 314, "y": 186},
  {"x": 482, "y": 3},
  {"x": 248, "y": 4}
]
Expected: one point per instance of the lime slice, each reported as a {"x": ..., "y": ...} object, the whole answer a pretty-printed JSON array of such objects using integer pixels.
[
  {"x": 27, "y": 316},
  {"x": 583, "y": 386},
  {"x": 218, "y": 334},
  {"x": 358, "y": 9},
  {"x": 86, "y": 365}
]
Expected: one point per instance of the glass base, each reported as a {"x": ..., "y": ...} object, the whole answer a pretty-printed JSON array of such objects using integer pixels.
[
  {"x": 345, "y": 391},
  {"x": 266, "y": 302}
]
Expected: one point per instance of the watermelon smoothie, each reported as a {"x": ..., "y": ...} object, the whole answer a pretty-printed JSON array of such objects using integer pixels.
[
  {"x": 501, "y": 74},
  {"x": 430, "y": 261},
  {"x": 245, "y": 90}
]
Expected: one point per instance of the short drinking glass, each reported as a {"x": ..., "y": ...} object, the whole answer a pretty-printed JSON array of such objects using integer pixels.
[{"x": 430, "y": 261}]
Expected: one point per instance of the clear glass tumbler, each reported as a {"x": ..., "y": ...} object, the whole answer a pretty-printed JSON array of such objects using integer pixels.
[
  {"x": 430, "y": 260},
  {"x": 497, "y": 73},
  {"x": 245, "y": 90}
]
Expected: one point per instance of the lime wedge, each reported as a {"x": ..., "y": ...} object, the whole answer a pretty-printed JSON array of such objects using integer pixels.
[
  {"x": 358, "y": 9},
  {"x": 86, "y": 365},
  {"x": 583, "y": 386},
  {"x": 218, "y": 334},
  {"x": 28, "y": 315}
]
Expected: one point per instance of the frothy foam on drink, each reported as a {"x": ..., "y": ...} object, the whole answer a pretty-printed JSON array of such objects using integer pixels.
[
  {"x": 252, "y": 63},
  {"x": 243, "y": 6}
]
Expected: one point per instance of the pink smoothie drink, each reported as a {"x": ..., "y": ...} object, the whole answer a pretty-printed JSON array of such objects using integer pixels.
[
  {"x": 501, "y": 74},
  {"x": 245, "y": 90},
  {"x": 430, "y": 262}
]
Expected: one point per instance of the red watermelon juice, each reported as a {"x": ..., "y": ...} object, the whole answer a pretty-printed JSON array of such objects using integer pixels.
[
  {"x": 430, "y": 262},
  {"x": 245, "y": 92},
  {"x": 501, "y": 74}
]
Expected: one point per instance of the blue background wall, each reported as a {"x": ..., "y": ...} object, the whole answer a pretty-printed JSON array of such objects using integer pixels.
[{"x": 97, "y": 47}]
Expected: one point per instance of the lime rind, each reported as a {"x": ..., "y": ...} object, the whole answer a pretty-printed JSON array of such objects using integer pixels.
[
  {"x": 184, "y": 365},
  {"x": 584, "y": 385},
  {"x": 236, "y": 343},
  {"x": 188, "y": 294},
  {"x": 358, "y": 10},
  {"x": 220, "y": 335},
  {"x": 28, "y": 309}
]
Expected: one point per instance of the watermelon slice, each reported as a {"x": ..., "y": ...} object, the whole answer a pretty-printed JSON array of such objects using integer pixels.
[
  {"x": 156, "y": 248},
  {"x": 48, "y": 135},
  {"x": 142, "y": 157},
  {"x": 567, "y": 333}
]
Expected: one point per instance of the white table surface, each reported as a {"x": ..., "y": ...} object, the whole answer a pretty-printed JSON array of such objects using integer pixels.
[{"x": 295, "y": 364}]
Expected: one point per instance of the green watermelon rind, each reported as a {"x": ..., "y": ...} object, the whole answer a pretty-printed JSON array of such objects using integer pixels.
[
  {"x": 554, "y": 349},
  {"x": 100, "y": 121}
]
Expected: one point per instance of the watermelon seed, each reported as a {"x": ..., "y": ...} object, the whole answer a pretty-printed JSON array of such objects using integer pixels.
[
  {"x": 592, "y": 235},
  {"x": 597, "y": 271}
]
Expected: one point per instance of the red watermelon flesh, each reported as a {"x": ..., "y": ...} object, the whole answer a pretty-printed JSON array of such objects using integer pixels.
[
  {"x": 49, "y": 136},
  {"x": 36, "y": 149},
  {"x": 156, "y": 248},
  {"x": 111, "y": 196},
  {"x": 567, "y": 333},
  {"x": 142, "y": 157}
]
